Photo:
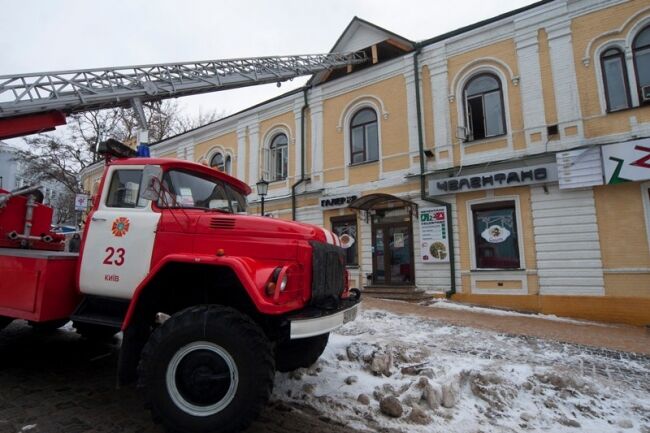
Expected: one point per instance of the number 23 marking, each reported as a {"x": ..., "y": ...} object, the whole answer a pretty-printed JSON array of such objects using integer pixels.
[{"x": 119, "y": 256}]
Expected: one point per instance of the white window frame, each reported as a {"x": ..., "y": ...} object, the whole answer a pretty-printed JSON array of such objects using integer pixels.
[
  {"x": 624, "y": 43},
  {"x": 265, "y": 166},
  {"x": 225, "y": 153},
  {"x": 470, "y": 230},
  {"x": 629, "y": 70},
  {"x": 465, "y": 101},
  {"x": 366, "y": 101},
  {"x": 503, "y": 72},
  {"x": 223, "y": 159},
  {"x": 365, "y": 133},
  {"x": 274, "y": 176}
]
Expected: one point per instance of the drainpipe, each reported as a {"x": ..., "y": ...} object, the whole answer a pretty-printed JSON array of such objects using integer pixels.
[
  {"x": 423, "y": 194},
  {"x": 302, "y": 155}
]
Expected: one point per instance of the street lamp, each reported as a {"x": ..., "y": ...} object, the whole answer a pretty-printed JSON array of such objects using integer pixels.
[{"x": 262, "y": 189}]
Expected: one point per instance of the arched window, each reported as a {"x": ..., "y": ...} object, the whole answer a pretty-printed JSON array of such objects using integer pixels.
[
  {"x": 615, "y": 79},
  {"x": 228, "y": 164},
  {"x": 484, "y": 107},
  {"x": 641, "y": 51},
  {"x": 278, "y": 157},
  {"x": 364, "y": 136},
  {"x": 217, "y": 161}
]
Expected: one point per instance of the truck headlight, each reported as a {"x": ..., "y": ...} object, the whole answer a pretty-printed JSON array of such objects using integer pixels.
[{"x": 283, "y": 283}]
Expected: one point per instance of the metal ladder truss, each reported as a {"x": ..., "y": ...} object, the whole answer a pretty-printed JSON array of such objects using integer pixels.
[{"x": 92, "y": 89}]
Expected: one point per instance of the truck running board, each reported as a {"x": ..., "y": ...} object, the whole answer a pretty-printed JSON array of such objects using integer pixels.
[{"x": 101, "y": 310}]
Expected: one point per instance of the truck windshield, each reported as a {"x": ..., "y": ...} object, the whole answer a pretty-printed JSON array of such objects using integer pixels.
[{"x": 189, "y": 191}]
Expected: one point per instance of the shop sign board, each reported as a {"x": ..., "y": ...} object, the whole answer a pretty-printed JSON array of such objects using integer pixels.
[
  {"x": 627, "y": 162},
  {"x": 581, "y": 168},
  {"x": 527, "y": 175},
  {"x": 434, "y": 238},
  {"x": 336, "y": 202}
]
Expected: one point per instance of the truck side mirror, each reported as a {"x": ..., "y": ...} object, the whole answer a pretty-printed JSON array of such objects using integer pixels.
[{"x": 151, "y": 182}]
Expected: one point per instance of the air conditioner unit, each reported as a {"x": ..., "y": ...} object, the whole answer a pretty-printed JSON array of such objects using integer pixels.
[{"x": 645, "y": 93}]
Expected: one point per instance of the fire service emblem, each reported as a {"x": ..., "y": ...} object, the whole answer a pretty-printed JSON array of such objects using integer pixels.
[{"x": 120, "y": 226}]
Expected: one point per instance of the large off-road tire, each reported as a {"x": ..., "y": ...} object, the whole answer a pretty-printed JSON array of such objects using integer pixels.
[
  {"x": 5, "y": 321},
  {"x": 293, "y": 354},
  {"x": 49, "y": 326},
  {"x": 208, "y": 368},
  {"x": 95, "y": 332}
]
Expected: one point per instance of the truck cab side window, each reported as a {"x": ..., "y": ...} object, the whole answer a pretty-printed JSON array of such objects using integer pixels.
[
  {"x": 188, "y": 191},
  {"x": 124, "y": 189}
]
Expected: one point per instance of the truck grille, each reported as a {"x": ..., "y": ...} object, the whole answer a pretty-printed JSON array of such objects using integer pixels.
[{"x": 328, "y": 274}]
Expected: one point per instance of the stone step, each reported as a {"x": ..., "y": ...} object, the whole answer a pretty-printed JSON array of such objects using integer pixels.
[
  {"x": 391, "y": 289},
  {"x": 409, "y": 294}
]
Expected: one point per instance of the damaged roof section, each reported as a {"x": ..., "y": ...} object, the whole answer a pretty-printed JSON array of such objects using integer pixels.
[{"x": 378, "y": 43}]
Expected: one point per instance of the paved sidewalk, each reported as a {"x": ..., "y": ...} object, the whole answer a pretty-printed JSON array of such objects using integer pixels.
[
  {"x": 614, "y": 337},
  {"x": 60, "y": 383}
]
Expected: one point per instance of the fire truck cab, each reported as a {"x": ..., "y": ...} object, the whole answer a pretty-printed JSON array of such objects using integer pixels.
[{"x": 211, "y": 301}]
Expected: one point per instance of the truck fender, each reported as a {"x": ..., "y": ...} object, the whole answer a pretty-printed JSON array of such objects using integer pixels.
[{"x": 244, "y": 268}]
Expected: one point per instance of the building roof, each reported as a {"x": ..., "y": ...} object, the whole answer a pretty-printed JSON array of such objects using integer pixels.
[{"x": 355, "y": 25}]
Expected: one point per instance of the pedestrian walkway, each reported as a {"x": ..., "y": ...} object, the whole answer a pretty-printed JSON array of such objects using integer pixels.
[{"x": 614, "y": 337}]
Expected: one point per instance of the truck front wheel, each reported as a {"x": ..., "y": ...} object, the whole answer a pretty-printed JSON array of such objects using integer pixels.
[
  {"x": 207, "y": 369},
  {"x": 302, "y": 353}
]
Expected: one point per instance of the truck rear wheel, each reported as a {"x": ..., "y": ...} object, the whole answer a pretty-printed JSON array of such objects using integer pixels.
[
  {"x": 302, "y": 353},
  {"x": 207, "y": 369}
]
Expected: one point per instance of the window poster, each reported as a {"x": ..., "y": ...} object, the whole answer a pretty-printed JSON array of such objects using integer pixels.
[
  {"x": 398, "y": 240},
  {"x": 434, "y": 238}
]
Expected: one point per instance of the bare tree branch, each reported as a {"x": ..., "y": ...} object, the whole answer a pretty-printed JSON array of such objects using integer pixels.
[{"x": 59, "y": 158}]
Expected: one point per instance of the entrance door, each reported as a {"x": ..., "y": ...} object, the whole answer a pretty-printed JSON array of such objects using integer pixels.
[{"x": 392, "y": 257}]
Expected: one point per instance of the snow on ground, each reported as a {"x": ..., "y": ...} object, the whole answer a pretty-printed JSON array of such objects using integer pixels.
[
  {"x": 444, "y": 303},
  {"x": 456, "y": 379}
]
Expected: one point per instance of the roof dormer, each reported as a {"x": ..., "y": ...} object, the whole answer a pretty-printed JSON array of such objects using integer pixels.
[{"x": 378, "y": 43}]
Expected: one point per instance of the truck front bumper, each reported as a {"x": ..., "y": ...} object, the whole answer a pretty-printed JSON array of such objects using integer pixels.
[{"x": 312, "y": 322}]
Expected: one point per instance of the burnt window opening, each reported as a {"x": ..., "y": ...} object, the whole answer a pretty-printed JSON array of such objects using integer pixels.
[{"x": 385, "y": 51}]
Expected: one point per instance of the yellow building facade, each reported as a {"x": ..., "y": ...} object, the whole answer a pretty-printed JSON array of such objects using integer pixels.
[{"x": 506, "y": 163}]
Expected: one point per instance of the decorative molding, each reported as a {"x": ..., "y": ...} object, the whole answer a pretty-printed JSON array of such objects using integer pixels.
[
  {"x": 482, "y": 62},
  {"x": 588, "y": 49},
  {"x": 357, "y": 103}
]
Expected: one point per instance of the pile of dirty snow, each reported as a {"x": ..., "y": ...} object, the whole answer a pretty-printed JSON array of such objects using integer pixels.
[{"x": 389, "y": 372}]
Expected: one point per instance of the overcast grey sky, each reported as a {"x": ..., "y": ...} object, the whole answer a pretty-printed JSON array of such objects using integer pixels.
[{"x": 44, "y": 35}]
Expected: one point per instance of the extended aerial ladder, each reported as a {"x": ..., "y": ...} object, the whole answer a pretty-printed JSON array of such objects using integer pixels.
[{"x": 37, "y": 102}]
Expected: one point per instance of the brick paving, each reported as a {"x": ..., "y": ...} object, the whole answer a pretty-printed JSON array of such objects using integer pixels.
[{"x": 61, "y": 383}]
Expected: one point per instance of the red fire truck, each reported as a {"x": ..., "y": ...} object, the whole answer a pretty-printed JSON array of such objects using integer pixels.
[{"x": 210, "y": 301}]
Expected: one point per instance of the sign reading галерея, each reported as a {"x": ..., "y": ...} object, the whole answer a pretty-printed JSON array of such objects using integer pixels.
[
  {"x": 494, "y": 179},
  {"x": 336, "y": 202}
]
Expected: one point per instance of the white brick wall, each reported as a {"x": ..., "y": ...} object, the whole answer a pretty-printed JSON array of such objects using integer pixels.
[{"x": 566, "y": 242}]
